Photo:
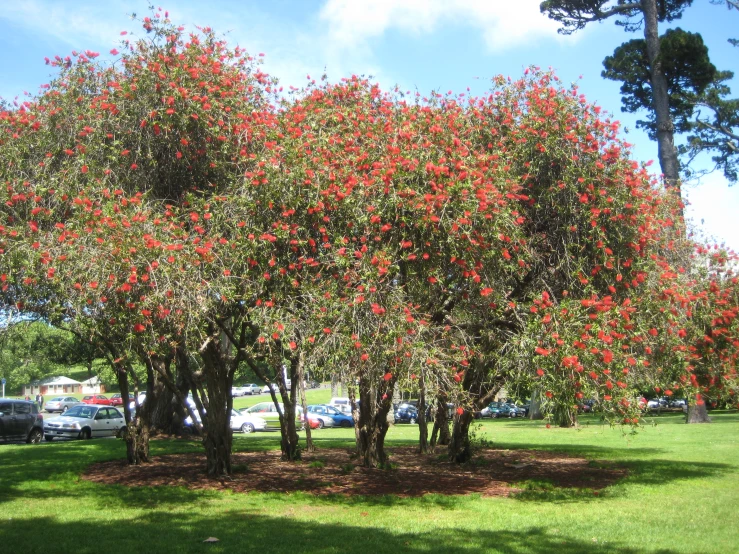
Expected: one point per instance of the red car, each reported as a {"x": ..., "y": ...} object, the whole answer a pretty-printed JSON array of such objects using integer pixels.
[
  {"x": 97, "y": 399},
  {"x": 313, "y": 421},
  {"x": 117, "y": 399}
]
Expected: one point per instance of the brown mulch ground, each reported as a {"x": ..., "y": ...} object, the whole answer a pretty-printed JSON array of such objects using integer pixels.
[{"x": 492, "y": 473}]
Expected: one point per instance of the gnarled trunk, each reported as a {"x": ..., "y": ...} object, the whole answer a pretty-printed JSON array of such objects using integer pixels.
[
  {"x": 440, "y": 434},
  {"x": 217, "y": 434},
  {"x": 301, "y": 387},
  {"x": 459, "y": 445},
  {"x": 423, "y": 430},
  {"x": 372, "y": 425},
  {"x": 565, "y": 415}
]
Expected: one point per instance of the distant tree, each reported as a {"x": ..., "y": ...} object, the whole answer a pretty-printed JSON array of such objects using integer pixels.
[{"x": 634, "y": 15}]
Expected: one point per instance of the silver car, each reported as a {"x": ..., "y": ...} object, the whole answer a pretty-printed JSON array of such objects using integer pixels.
[
  {"x": 61, "y": 404},
  {"x": 85, "y": 422}
]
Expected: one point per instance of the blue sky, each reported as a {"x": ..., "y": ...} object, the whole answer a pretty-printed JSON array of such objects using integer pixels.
[{"x": 421, "y": 45}]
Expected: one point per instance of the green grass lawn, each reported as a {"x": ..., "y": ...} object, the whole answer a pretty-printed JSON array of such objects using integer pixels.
[{"x": 681, "y": 495}]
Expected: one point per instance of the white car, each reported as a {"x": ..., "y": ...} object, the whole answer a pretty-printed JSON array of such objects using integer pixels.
[
  {"x": 238, "y": 391},
  {"x": 246, "y": 423},
  {"x": 252, "y": 388},
  {"x": 141, "y": 398},
  {"x": 86, "y": 421}
]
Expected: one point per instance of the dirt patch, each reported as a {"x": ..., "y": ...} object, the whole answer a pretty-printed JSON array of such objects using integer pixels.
[{"x": 333, "y": 471}]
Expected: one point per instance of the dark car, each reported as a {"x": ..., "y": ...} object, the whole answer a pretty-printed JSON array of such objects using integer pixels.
[
  {"x": 20, "y": 420},
  {"x": 406, "y": 413}
]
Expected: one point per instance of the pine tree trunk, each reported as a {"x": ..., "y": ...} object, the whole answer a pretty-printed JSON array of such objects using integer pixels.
[
  {"x": 459, "y": 445},
  {"x": 667, "y": 152}
]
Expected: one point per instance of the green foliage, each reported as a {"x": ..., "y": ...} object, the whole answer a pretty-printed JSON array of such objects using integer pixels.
[
  {"x": 686, "y": 66},
  {"x": 576, "y": 14}
]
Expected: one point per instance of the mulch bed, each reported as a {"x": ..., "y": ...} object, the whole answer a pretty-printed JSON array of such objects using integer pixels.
[{"x": 333, "y": 471}]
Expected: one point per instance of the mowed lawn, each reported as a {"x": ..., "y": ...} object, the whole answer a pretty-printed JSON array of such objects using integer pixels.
[{"x": 681, "y": 495}]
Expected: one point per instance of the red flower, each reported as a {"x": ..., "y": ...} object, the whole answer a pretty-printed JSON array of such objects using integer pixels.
[
  {"x": 460, "y": 410},
  {"x": 138, "y": 328},
  {"x": 387, "y": 376}
]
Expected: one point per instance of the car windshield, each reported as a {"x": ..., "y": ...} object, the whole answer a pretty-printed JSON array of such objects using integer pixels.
[
  {"x": 332, "y": 410},
  {"x": 87, "y": 398},
  {"x": 83, "y": 412},
  {"x": 57, "y": 399}
]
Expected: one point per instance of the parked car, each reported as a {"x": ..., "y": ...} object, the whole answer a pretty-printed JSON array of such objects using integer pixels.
[
  {"x": 141, "y": 398},
  {"x": 339, "y": 418},
  {"x": 268, "y": 412},
  {"x": 678, "y": 403},
  {"x": 406, "y": 413},
  {"x": 117, "y": 399},
  {"x": 20, "y": 420},
  {"x": 86, "y": 421},
  {"x": 61, "y": 404},
  {"x": 252, "y": 388},
  {"x": 246, "y": 423},
  {"x": 238, "y": 391},
  {"x": 656, "y": 404},
  {"x": 97, "y": 399},
  {"x": 324, "y": 418},
  {"x": 267, "y": 388},
  {"x": 342, "y": 404}
]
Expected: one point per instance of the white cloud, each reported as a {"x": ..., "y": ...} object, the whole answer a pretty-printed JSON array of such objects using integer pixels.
[
  {"x": 503, "y": 25},
  {"x": 713, "y": 207}
]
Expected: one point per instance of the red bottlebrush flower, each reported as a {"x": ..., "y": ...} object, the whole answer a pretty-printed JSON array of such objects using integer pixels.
[
  {"x": 542, "y": 351},
  {"x": 293, "y": 345},
  {"x": 365, "y": 357},
  {"x": 486, "y": 291},
  {"x": 540, "y": 372},
  {"x": 460, "y": 410},
  {"x": 549, "y": 394},
  {"x": 327, "y": 330},
  {"x": 227, "y": 272},
  {"x": 93, "y": 284},
  {"x": 194, "y": 217},
  {"x": 114, "y": 52},
  {"x": 506, "y": 254},
  {"x": 84, "y": 169},
  {"x": 387, "y": 376},
  {"x": 139, "y": 328}
]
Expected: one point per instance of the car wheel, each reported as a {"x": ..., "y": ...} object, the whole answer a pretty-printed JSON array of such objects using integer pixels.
[
  {"x": 34, "y": 437},
  {"x": 64, "y": 408},
  {"x": 247, "y": 428},
  {"x": 48, "y": 438},
  {"x": 122, "y": 432},
  {"x": 85, "y": 434},
  {"x": 346, "y": 423},
  {"x": 320, "y": 424},
  {"x": 412, "y": 420}
]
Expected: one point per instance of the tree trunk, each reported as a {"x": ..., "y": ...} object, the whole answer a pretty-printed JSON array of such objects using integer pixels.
[
  {"x": 441, "y": 434},
  {"x": 667, "y": 152},
  {"x": 374, "y": 405},
  {"x": 535, "y": 405},
  {"x": 459, "y": 445},
  {"x": 290, "y": 442},
  {"x": 697, "y": 412},
  {"x": 564, "y": 415},
  {"x": 334, "y": 381},
  {"x": 423, "y": 430},
  {"x": 301, "y": 387},
  {"x": 217, "y": 434}
]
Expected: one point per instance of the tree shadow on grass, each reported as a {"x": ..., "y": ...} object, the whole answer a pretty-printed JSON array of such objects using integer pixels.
[{"x": 244, "y": 531}]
